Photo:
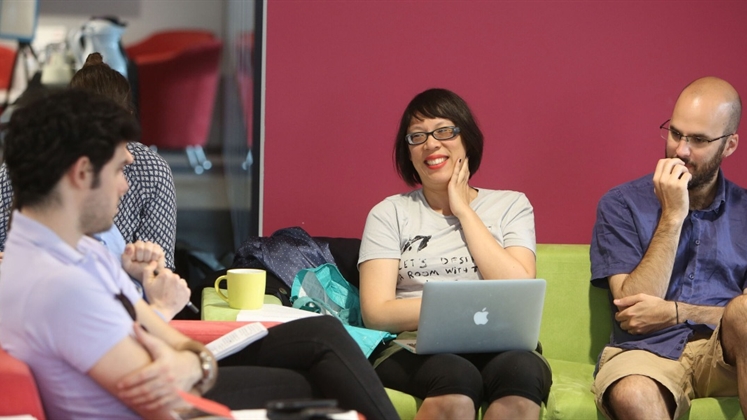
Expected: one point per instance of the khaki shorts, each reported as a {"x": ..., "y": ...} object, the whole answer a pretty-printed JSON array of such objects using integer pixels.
[{"x": 700, "y": 372}]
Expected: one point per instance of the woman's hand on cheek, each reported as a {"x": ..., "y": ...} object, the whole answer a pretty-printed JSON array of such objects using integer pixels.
[{"x": 459, "y": 189}]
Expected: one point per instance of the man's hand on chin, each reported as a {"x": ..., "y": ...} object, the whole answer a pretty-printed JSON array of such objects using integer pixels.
[{"x": 671, "y": 178}]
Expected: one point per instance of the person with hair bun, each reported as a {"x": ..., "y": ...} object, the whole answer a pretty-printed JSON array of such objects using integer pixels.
[
  {"x": 147, "y": 212},
  {"x": 96, "y": 76},
  {"x": 70, "y": 312}
]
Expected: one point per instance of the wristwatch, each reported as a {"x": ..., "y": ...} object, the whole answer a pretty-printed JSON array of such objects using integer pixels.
[{"x": 208, "y": 367}]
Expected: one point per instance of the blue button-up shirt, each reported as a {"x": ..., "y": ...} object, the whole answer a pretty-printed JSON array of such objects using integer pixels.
[{"x": 711, "y": 262}]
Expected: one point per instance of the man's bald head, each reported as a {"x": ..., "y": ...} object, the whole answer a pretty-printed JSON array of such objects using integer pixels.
[{"x": 717, "y": 96}]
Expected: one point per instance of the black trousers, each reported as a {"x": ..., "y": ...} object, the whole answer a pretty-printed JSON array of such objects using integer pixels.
[
  {"x": 485, "y": 376},
  {"x": 309, "y": 358}
]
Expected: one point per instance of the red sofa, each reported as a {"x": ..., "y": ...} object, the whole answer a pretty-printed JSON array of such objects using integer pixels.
[
  {"x": 7, "y": 65},
  {"x": 18, "y": 392}
]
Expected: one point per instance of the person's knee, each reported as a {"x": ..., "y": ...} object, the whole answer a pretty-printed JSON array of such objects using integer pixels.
[
  {"x": 521, "y": 373},
  {"x": 733, "y": 330},
  {"x": 319, "y": 327},
  {"x": 629, "y": 390},
  {"x": 631, "y": 393},
  {"x": 449, "y": 374},
  {"x": 327, "y": 322},
  {"x": 734, "y": 320},
  {"x": 320, "y": 333},
  {"x": 512, "y": 407},
  {"x": 451, "y": 405},
  {"x": 516, "y": 364}
]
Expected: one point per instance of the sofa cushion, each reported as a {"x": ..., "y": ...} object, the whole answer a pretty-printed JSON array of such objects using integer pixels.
[
  {"x": 576, "y": 319},
  {"x": 576, "y": 323},
  {"x": 714, "y": 408},
  {"x": 570, "y": 395},
  {"x": 405, "y": 404}
]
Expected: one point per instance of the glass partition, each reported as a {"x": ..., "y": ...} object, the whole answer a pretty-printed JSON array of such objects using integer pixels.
[
  {"x": 218, "y": 208},
  {"x": 242, "y": 99}
]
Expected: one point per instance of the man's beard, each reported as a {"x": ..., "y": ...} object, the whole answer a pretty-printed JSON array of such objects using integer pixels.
[
  {"x": 94, "y": 217},
  {"x": 707, "y": 171}
]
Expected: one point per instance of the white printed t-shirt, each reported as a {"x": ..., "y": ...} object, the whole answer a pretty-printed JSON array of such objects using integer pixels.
[
  {"x": 431, "y": 246},
  {"x": 58, "y": 313}
]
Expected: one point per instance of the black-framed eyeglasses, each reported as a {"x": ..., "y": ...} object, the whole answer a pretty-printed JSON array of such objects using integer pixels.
[
  {"x": 443, "y": 133},
  {"x": 127, "y": 305},
  {"x": 669, "y": 133}
]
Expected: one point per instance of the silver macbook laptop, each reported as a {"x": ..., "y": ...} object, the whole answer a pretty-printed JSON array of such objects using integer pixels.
[{"x": 479, "y": 316}]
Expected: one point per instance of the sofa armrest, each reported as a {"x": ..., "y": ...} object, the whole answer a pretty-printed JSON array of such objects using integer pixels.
[
  {"x": 207, "y": 331},
  {"x": 345, "y": 252},
  {"x": 18, "y": 392}
]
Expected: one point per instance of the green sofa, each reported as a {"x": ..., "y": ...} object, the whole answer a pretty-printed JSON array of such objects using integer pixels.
[
  {"x": 575, "y": 327},
  {"x": 576, "y": 324}
]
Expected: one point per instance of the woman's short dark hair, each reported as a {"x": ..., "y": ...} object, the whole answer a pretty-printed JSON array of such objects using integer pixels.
[{"x": 437, "y": 103}]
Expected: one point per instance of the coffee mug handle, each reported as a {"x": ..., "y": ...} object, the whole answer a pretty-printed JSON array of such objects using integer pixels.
[{"x": 217, "y": 289}]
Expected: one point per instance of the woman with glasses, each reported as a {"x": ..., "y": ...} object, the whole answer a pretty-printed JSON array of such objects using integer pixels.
[{"x": 447, "y": 230}]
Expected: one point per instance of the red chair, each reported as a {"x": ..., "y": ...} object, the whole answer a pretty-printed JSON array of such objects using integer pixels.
[
  {"x": 19, "y": 394},
  {"x": 7, "y": 64},
  {"x": 177, "y": 73}
]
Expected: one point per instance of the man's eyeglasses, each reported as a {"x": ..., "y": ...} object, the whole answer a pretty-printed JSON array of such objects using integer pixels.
[
  {"x": 443, "y": 133},
  {"x": 669, "y": 133}
]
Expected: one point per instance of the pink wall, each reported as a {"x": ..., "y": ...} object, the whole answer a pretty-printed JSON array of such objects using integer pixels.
[{"x": 569, "y": 94}]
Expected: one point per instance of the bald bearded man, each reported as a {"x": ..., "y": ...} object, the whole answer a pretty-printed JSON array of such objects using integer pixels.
[{"x": 672, "y": 249}]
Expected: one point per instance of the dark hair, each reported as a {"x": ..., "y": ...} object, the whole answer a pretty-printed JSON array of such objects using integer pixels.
[
  {"x": 96, "y": 76},
  {"x": 437, "y": 103},
  {"x": 45, "y": 138}
]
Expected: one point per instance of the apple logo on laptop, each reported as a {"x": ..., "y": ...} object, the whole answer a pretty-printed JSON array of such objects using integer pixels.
[{"x": 481, "y": 317}]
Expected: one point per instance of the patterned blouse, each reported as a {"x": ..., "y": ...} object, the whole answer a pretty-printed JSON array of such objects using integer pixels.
[{"x": 147, "y": 211}]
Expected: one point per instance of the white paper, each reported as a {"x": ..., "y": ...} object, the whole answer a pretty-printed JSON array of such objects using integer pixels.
[
  {"x": 274, "y": 313},
  {"x": 236, "y": 340},
  {"x": 262, "y": 414}
]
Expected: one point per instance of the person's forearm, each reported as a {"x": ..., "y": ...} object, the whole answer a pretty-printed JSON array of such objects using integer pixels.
[
  {"x": 166, "y": 313},
  {"x": 493, "y": 261},
  {"x": 699, "y": 314},
  {"x": 167, "y": 235},
  {"x": 193, "y": 364},
  {"x": 158, "y": 413},
  {"x": 395, "y": 316},
  {"x": 196, "y": 357},
  {"x": 655, "y": 269},
  {"x": 184, "y": 358}
]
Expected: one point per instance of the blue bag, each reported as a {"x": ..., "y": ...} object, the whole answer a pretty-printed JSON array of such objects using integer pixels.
[{"x": 325, "y": 291}]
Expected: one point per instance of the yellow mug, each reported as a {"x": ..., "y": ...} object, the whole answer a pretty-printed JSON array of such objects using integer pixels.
[{"x": 246, "y": 288}]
